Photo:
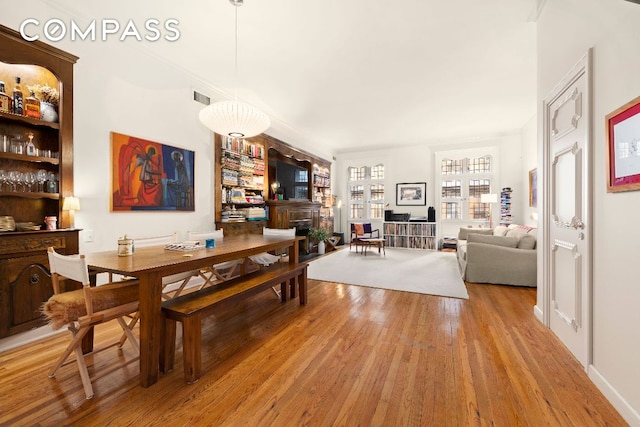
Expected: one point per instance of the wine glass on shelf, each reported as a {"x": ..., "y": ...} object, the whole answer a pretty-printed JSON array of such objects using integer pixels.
[
  {"x": 20, "y": 181},
  {"x": 4, "y": 179},
  {"x": 29, "y": 179},
  {"x": 41, "y": 177},
  {"x": 12, "y": 177}
]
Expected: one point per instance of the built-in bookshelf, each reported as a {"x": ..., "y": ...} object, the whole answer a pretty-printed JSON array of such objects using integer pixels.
[
  {"x": 411, "y": 235},
  {"x": 242, "y": 171}
]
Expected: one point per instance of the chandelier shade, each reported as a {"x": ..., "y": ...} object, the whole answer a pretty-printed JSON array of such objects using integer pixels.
[{"x": 234, "y": 119}]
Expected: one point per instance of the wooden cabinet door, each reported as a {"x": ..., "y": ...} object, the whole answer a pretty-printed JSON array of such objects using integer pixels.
[{"x": 25, "y": 286}]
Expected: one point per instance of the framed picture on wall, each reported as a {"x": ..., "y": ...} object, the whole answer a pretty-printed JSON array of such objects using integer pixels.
[
  {"x": 411, "y": 194},
  {"x": 150, "y": 176},
  {"x": 623, "y": 147},
  {"x": 533, "y": 188}
]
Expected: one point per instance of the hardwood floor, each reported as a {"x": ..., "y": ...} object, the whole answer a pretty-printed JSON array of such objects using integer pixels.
[{"x": 352, "y": 356}]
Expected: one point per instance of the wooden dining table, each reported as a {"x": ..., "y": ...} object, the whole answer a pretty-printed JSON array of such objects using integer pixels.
[{"x": 151, "y": 263}]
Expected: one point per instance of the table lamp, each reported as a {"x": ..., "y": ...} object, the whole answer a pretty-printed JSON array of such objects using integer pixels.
[{"x": 71, "y": 204}]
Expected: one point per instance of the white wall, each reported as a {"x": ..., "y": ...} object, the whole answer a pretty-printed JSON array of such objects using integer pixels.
[
  {"x": 566, "y": 29},
  {"x": 401, "y": 164},
  {"x": 529, "y": 162},
  {"x": 417, "y": 164}
]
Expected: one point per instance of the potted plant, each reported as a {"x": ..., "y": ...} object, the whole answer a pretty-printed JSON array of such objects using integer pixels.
[{"x": 320, "y": 235}]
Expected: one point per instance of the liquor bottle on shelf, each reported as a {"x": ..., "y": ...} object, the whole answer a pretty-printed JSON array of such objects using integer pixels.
[
  {"x": 30, "y": 147},
  {"x": 5, "y": 105},
  {"x": 18, "y": 99},
  {"x": 32, "y": 106}
]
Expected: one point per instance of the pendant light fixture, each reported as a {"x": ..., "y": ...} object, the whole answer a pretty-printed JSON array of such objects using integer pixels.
[{"x": 233, "y": 118}]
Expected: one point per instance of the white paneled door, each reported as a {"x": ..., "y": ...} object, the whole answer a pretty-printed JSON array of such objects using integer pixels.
[{"x": 567, "y": 207}]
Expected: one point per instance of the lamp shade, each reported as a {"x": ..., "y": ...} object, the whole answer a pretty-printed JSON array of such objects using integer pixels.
[
  {"x": 71, "y": 204},
  {"x": 234, "y": 119},
  {"x": 488, "y": 198}
]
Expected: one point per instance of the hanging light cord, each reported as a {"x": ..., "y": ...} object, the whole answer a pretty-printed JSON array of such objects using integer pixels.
[{"x": 236, "y": 64}]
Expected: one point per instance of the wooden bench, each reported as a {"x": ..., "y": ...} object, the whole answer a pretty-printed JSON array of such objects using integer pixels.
[{"x": 189, "y": 309}]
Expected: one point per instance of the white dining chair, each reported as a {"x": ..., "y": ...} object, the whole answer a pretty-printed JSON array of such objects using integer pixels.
[
  {"x": 82, "y": 309},
  {"x": 266, "y": 259},
  {"x": 217, "y": 272},
  {"x": 173, "y": 285}
]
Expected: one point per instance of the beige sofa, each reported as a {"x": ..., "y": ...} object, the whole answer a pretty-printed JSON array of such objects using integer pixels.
[{"x": 503, "y": 255}]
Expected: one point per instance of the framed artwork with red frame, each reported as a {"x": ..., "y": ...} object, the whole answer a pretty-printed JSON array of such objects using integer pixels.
[{"x": 623, "y": 147}]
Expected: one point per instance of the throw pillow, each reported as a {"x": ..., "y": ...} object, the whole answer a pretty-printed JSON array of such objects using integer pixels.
[
  {"x": 514, "y": 232},
  {"x": 359, "y": 229},
  {"x": 500, "y": 230},
  {"x": 509, "y": 242},
  {"x": 465, "y": 232}
]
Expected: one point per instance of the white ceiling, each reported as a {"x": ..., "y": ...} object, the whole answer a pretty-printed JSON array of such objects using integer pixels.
[{"x": 360, "y": 73}]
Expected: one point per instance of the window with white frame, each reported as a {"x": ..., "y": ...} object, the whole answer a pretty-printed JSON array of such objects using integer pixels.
[
  {"x": 366, "y": 192},
  {"x": 463, "y": 181}
]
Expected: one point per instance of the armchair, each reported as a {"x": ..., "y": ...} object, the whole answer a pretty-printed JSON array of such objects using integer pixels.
[{"x": 362, "y": 231}]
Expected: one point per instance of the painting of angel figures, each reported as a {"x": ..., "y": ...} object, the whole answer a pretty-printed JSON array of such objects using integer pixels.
[{"x": 148, "y": 175}]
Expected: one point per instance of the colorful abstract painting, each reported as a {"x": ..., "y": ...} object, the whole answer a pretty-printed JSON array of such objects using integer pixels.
[{"x": 148, "y": 175}]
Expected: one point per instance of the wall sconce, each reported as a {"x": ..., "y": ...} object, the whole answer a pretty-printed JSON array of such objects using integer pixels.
[{"x": 71, "y": 204}]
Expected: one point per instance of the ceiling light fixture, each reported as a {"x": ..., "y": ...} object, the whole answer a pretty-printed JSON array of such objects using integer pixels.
[{"x": 233, "y": 118}]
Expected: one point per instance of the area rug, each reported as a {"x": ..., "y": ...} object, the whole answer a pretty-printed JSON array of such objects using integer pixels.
[{"x": 425, "y": 272}]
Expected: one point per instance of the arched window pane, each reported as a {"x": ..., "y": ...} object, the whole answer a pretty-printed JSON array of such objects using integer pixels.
[
  {"x": 451, "y": 167},
  {"x": 480, "y": 165},
  {"x": 377, "y": 172},
  {"x": 356, "y": 174}
]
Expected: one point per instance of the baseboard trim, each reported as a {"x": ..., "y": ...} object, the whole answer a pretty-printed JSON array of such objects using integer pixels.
[
  {"x": 626, "y": 411},
  {"x": 27, "y": 337},
  {"x": 538, "y": 313}
]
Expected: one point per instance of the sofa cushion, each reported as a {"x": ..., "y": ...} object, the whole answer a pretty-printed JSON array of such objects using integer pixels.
[
  {"x": 510, "y": 242},
  {"x": 526, "y": 240},
  {"x": 465, "y": 231}
]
